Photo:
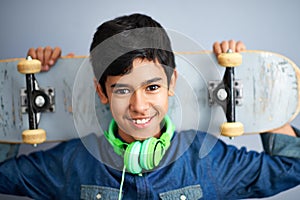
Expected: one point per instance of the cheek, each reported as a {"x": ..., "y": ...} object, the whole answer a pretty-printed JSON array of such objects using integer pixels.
[
  {"x": 118, "y": 106},
  {"x": 166, "y": 104},
  {"x": 162, "y": 101}
]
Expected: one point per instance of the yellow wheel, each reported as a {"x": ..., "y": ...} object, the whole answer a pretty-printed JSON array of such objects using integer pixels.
[
  {"x": 230, "y": 59},
  {"x": 29, "y": 66},
  {"x": 232, "y": 129},
  {"x": 35, "y": 136}
]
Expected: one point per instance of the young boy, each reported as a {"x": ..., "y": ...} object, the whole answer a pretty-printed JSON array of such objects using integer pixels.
[{"x": 141, "y": 156}]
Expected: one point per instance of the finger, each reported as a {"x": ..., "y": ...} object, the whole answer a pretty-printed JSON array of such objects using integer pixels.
[
  {"x": 45, "y": 68},
  {"x": 224, "y": 46},
  {"x": 240, "y": 46},
  {"x": 32, "y": 53},
  {"x": 232, "y": 45},
  {"x": 40, "y": 55},
  {"x": 56, "y": 53},
  {"x": 47, "y": 54},
  {"x": 47, "y": 51},
  {"x": 70, "y": 54},
  {"x": 217, "y": 48}
]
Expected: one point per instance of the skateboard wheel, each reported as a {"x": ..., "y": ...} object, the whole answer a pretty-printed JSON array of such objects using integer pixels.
[
  {"x": 35, "y": 136},
  {"x": 232, "y": 129},
  {"x": 29, "y": 66},
  {"x": 230, "y": 59}
]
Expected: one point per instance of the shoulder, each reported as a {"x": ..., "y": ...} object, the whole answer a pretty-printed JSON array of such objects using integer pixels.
[
  {"x": 69, "y": 148},
  {"x": 196, "y": 137},
  {"x": 195, "y": 141},
  {"x": 206, "y": 144}
]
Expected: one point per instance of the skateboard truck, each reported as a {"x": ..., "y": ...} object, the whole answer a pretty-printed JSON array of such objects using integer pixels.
[
  {"x": 228, "y": 93},
  {"x": 35, "y": 102},
  {"x": 218, "y": 94},
  {"x": 44, "y": 100}
]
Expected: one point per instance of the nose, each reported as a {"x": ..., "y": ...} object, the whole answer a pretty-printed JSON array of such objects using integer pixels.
[{"x": 139, "y": 102}]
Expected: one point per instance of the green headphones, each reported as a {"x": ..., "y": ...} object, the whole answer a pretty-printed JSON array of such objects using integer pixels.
[{"x": 141, "y": 155}]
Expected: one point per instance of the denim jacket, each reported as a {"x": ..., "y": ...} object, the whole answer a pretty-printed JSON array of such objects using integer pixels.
[
  {"x": 88, "y": 168},
  {"x": 282, "y": 145}
]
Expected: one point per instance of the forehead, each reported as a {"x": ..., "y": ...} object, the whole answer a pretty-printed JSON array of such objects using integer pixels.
[{"x": 142, "y": 70}]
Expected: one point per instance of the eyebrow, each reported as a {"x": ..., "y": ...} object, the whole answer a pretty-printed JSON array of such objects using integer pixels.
[{"x": 143, "y": 83}]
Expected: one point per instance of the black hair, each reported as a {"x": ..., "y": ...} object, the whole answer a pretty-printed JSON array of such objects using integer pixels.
[{"x": 118, "y": 42}]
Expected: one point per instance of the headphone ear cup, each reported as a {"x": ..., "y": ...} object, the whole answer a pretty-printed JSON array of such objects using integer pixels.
[
  {"x": 151, "y": 154},
  {"x": 131, "y": 157},
  {"x": 159, "y": 153}
]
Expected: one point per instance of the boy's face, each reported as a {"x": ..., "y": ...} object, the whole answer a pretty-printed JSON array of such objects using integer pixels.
[{"x": 139, "y": 100}]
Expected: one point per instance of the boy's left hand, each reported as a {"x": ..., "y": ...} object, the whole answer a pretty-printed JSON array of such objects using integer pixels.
[
  {"x": 222, "y": 47},
  {"x": 286, "y": 130}
]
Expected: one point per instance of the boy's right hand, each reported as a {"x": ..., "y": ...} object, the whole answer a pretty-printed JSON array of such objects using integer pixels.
[{"x": 48, "y": 56}]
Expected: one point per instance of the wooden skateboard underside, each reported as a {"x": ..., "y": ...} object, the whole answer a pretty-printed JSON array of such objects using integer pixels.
[{"x": 270, "y": 93}]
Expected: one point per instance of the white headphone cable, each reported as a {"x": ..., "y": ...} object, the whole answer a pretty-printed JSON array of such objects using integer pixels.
[{"x": 122, "y": 181}]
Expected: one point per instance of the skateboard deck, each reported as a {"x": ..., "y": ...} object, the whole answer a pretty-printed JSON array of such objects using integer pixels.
[{"x": 267, "y": 96}]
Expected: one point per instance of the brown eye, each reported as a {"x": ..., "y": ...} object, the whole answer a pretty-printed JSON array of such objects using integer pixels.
[
  {"x": 121, "y": 91},
  {"x": 153, "y": 87}
]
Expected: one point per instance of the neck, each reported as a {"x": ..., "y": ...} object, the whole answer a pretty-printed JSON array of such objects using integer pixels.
[{"x": 129, "y": 139}]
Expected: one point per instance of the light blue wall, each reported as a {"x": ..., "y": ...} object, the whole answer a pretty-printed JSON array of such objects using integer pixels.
[{"x": 261, "y": 24}]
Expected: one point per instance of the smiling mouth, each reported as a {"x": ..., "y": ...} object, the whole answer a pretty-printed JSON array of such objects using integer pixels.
[{"x": 141, "y": 121}]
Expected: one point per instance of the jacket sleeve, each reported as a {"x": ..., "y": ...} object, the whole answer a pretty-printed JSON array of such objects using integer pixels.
[
  {"x": 282, "y": 145},
  {"x": 38, "y": 175},
  {"x": 239, "y": 173}
]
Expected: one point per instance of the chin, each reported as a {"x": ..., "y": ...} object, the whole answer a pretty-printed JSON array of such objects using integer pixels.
[{"x": 143, "y": 137}]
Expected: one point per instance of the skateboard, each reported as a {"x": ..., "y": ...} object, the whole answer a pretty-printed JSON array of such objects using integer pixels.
[{"x": 235, "y": 94}]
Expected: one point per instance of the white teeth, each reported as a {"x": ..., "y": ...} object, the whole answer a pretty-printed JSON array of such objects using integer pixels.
[{"x": 141, "y": 121}]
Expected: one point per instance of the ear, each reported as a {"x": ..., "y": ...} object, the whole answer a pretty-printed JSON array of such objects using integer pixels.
[
  {"x": 172, "y": 83},
  {"x": 102, "y": 96}
]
